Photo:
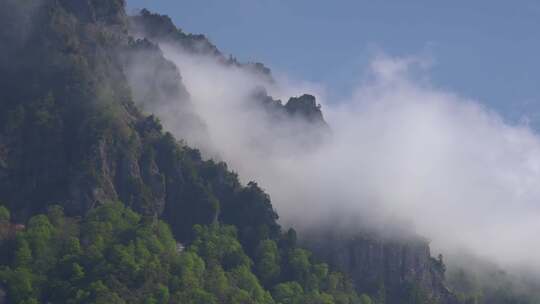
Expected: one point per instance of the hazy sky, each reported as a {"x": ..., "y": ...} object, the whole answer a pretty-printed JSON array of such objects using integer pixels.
[{"x": 486, "y": 50}]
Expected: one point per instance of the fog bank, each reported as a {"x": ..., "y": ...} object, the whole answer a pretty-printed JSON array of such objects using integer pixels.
[{"x": 401, "y": 150}]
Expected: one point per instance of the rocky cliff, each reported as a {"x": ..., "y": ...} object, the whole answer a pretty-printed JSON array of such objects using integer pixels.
[{"x": 402, "y": 270}]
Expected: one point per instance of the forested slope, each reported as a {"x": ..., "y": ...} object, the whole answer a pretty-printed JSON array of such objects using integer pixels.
[
  {"x": 72, "y": 141},
  {"x": 100, "y": 204}
]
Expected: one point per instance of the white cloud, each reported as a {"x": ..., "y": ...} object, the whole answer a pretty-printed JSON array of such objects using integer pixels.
[{"x": 401, "y": 148}]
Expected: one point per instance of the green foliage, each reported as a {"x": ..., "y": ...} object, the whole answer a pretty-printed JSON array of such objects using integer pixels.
[
  {"x": 75, "y": 138},
  {"x": 299, "y": 263},
  {"x": 23, "y": 255},
  {"x": 5, "y": 215},
  {"x": 114, "y": 255},
  {"x": 288, "y": 293},
  {"x": 484, "y": 283},
  {"x": 121, "y": 252},
  {"x": 365, "y": 299},
  {"x": 21, "y": 284},
  {"x": 268, "y": 261},
  {"x": 219, "y": 244}
]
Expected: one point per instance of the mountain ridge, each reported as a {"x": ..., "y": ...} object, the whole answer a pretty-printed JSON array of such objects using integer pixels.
[{"x": 76, "y": 134}]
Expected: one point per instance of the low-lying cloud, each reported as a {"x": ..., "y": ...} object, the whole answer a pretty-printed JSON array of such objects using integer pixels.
[{"x": 400, "y": 149}]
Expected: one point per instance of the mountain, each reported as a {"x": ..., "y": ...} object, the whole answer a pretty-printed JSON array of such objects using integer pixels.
[
  {"x": 405, "y": 268},
  {"x": 401, "y": 268},
  {"x": 100, "y": 204},
  {"x": 73, "y": 142}
]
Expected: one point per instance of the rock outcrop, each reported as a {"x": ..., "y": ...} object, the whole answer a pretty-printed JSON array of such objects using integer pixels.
[
  {"x": 399, "y": 270},
  {"x": 306, "y": 107}
]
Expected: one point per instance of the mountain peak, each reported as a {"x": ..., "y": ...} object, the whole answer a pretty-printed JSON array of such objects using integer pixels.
[{"x": 305, "y": 106}]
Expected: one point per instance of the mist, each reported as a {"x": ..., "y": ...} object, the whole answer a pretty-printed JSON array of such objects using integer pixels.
[{"x": 401, "y": 150}]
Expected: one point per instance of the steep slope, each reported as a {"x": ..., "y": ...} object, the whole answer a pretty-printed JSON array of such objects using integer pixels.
[
  {"x": 161, "y": 29},
  {"x": 72, "y": 134},
  {"x": 299, "y": 119},
  {"x": 58, "y": 110},
  {"x": 405, "y": 268}
]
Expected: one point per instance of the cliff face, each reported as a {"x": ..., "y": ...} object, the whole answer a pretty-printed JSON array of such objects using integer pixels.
[
  {"x": 305, "y": 106},
  {"x": 403, "y": 269}
]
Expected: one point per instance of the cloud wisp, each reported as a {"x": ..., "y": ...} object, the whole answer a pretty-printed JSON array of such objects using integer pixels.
[{"x": 400, "y": 149}]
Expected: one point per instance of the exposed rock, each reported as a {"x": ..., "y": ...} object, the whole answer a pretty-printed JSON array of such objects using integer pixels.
[
  {"x": 398, "y": 267},
  {"x": 306, "y": 107}
]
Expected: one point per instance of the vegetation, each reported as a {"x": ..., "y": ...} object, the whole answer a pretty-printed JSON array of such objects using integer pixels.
[
  {"x": 483, "y": 283},
  {"x": 114, "y": 255},
  {"x": 76, "y": 139},
  {"x": 73, "y": 144}
]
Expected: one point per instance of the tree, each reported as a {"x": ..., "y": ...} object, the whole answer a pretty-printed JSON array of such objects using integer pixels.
[
  {"x": 216, "y": 281},
  {"x": 113, "y": 255},
  {"x": 242, "y": 278},
  {"x": 365, "y": 299},
  {"x": 288, "y": 293},
  {"x": 4, "y": 214},
  {"x": 77, "y": 272},
  {"x": 219, "y": 243},
  {"x": 23, "y": 255},
  {"x": 299, "y": 264},
  {"x": 20, "y": 284},
  {"x": 55, "y": 213},
  {"x": 267, "y": 261}
]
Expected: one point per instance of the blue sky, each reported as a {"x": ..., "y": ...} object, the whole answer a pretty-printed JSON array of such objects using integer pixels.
[{"x": 487, "y": 50}]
